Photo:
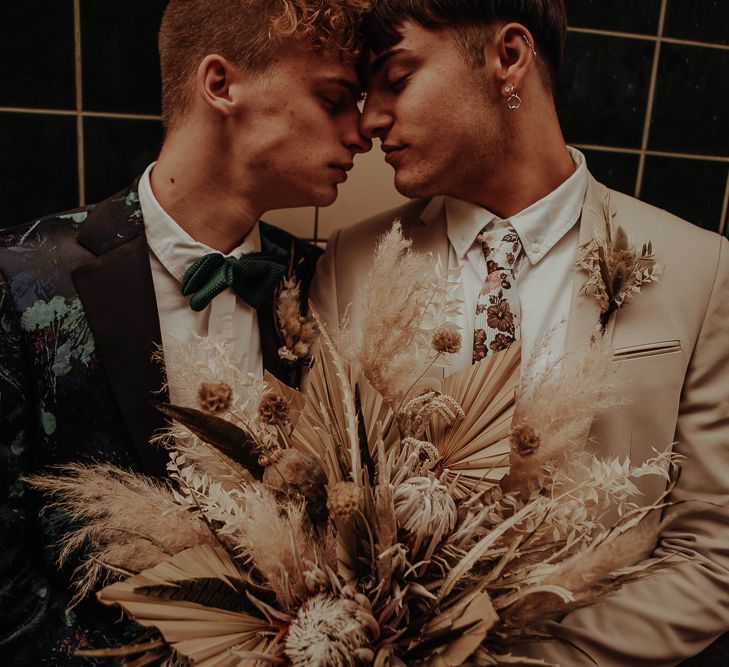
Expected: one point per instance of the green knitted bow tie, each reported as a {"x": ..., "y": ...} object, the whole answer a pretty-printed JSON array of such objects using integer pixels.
[{"x": 253, "y": 277}]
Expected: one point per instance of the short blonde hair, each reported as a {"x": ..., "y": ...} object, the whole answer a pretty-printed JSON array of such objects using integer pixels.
[{"x": 246, "y": 32}]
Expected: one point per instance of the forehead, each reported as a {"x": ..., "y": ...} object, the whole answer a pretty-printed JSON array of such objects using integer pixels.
[
  {"x": 303, "y": 59},
  {"x": 416, "y": 40}
]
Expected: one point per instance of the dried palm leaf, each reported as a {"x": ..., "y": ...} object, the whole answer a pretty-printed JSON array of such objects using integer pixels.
[
  {"x": 454, "y": 634},
  {"x": 196, "y": 632},
  {"x": 475, "y": 450}
]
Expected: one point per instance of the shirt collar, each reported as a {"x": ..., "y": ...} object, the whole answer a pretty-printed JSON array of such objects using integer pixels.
[
  {"x": 173, "y": 246},
  {"x": 539, "y": 226}
]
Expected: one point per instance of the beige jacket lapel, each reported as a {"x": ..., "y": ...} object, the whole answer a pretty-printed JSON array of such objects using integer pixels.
[
  {"x": 584, "y": 310},
  {"x": 430, "y": 231}
]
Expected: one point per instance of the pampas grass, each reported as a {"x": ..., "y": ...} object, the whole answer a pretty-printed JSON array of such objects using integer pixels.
[
  {"x": 387, "y": 334},
  {"x": 559, "y": 404},
  {"x": 119, "y": 513}
]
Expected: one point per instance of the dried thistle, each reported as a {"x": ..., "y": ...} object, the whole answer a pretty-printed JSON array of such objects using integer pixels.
[
  {"x": 274, "y": 410},
  {"x": 616, "y": 271},
  {"x": 214, "y": 397},
  {"x": 524, "y": 439},
  {"x": 300, "y": 475},
  {"x": 332, "y": 632},
  {"x": 446, "y": 341},
  {"x": 344, "y": 500}
]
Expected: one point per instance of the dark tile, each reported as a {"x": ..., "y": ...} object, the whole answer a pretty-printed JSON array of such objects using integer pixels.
[
  {"x": 622, "y": 15},
  {"x": 37, "y": 52},
  {"x": 691, "y": 107},
  {"x": 38, "y": 166},
  {"x": 618, "y": 171},
  {"x": 117, "y": 151},
  {"x": 690, "y": 189},
  {"x": 602, "y": 89},
  {"x": 119, "y": 55},
  {"x": 699, "y": 20}
]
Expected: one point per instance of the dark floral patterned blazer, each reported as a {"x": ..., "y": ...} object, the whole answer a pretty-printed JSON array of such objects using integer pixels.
[{"x": 78, "y": 326}]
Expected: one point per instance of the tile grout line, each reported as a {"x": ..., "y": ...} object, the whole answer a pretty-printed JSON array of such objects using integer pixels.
[
  {"x": 637, "y": 151},
  {"x": 85, "y": 114},
  {"x": 725, "y": 207},
  {"x": 647, "y": 37},
  {"x": 81, "y": 175},
  {"x": 651, "y": 97}
]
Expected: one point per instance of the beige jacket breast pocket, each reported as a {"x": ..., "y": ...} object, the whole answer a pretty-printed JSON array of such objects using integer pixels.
[{"x": 644, "y": 350}]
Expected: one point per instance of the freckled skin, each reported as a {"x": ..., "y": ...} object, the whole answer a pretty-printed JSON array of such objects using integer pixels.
[{"x": 289, "y": 133}]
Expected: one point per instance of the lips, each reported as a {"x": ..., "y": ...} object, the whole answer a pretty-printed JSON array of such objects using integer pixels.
[
  {"x": 393, "y": 152},
  {"x": 341, "y": 169}
]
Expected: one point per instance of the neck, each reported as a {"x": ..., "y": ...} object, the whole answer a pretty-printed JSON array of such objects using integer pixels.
[
  {"x": 199, "y": 195},
  {"x": 536, "y": 163}
]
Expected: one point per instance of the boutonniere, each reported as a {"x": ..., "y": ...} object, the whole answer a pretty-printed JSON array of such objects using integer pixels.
[
  {"x": 616, "y": 270},
  {"x": 296, "y": 328}
]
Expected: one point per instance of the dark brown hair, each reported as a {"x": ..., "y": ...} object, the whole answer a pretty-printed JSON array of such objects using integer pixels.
[
  {"x": 247, "y": 33},
  {"x": 471, "y": 19}
]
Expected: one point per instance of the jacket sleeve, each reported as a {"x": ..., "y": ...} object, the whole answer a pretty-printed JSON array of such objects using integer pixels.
[
  {"x": 663, "y": 620},
  {"x": 24, "y": 591}
]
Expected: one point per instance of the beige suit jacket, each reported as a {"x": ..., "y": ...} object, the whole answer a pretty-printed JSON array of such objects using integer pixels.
[{"x": 672, "y": 349}]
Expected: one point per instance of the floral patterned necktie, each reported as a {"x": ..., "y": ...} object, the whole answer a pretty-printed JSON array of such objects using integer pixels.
[{"x": 497, "y": 310}]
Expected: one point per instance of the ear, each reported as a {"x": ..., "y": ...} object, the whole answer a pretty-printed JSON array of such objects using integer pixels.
[
  {"x": 514, "y": 47},
  {"x": 215, "y": 75}
]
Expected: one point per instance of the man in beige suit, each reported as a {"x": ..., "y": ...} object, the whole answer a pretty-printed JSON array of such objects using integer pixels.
[{"x": 462, "y": 100}]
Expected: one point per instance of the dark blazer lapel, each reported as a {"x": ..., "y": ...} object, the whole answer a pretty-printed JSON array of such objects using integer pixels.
[
  {"x": 117, "y": 293},
  {"x": 270, "y": 345},
  {"x": 305, "y": 257}
]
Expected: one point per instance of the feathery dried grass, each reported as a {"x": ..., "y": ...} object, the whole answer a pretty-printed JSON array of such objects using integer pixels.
[
  {"x": 559, "y": 404},
  {"x": 277, "y": 540},
  {"x": 388, "y": 315},
  {"x": 119, "y": 512}
]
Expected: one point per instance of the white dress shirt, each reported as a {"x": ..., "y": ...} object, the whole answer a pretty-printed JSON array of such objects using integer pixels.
[
  {"x": 227, "y": 318},
  {"x": 544, "y": 273}
]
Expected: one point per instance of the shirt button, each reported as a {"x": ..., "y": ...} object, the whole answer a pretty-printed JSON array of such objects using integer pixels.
[{"x": 535, "y": 247}]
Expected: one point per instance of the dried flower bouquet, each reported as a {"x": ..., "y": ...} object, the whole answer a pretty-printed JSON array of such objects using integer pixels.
[{"x": 385, "y": 517}]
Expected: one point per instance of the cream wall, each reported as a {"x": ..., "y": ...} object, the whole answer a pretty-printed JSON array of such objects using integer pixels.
[{"x": 368, "y": 190}]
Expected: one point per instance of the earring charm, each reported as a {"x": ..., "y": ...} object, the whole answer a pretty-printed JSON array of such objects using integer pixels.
[{"x": 513, "y": 101}]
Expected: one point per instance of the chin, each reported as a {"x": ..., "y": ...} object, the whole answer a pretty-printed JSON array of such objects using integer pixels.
[
  {"x": 412, "y": 186},
  {"x": 326, "y": 197}
]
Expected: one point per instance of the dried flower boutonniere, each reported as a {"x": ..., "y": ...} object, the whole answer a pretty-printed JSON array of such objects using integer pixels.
[
  {"x": 616, "y": 271},
  {"x": 296, "y": 331}
]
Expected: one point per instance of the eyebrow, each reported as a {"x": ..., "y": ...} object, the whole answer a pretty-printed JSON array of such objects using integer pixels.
[
  {"x": 354, "y": 88},
  {"x": 378, "y": 62}
]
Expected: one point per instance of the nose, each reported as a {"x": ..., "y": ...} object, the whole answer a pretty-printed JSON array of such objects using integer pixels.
[
  {"x": 358, "y": 143},
  {"x": 353, "y": 138},
  {"x": 375, "y": 121}
]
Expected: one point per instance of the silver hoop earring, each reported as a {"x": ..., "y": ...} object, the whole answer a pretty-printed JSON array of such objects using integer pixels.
[{"x": 513, "y": 101}]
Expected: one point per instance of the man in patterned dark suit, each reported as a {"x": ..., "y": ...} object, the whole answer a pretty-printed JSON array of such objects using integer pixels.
[{"x": 259, "y": 107}]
